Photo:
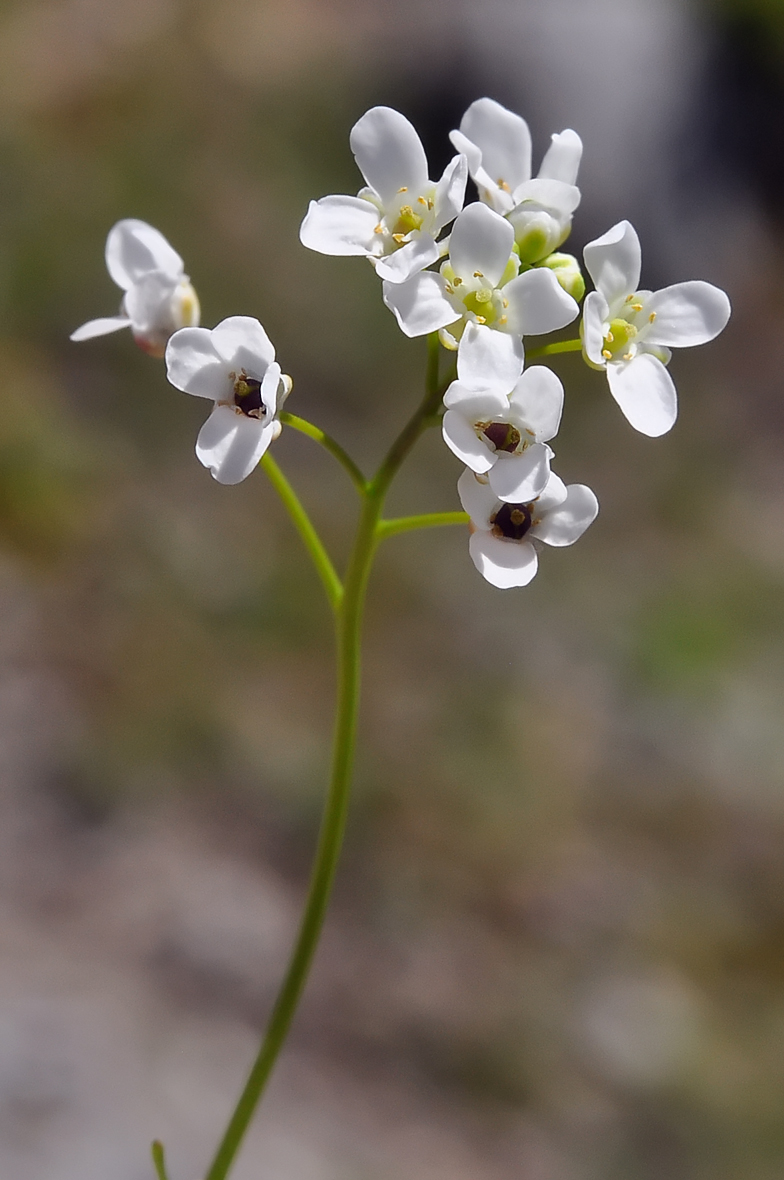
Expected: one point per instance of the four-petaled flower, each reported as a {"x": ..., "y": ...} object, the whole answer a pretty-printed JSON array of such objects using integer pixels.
[
  {"x": 234, "y": 366},
  {"x": 480, "y": 284},
  {"x": 158, "y": 298},
  {"x": 497, "y": 144},
  {"x": 503, "y": 534},
  {"x": 396, "y": 220},
  {"x": 629, "y": 332},
  {"x": 501, "y": 433}
]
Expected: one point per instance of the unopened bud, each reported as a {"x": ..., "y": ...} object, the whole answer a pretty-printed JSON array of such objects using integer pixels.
[{"x": 566, "y": 269}]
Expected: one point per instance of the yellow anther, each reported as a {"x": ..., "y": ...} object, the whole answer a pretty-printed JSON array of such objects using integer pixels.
[
  {"x": 421, "y": 200},
  {"x": 627, "y": 356},
  {"x": 651, "y": 317},
  {"x": 431, "y": 203},
  {"x": 457, "y": 280},
  {"x": 609, "y": 337},
  {"x": 607, "y": 354},
  {"x": 636, "y": 307},
  {"x": 399, "y": 238},
  {"x": 478, "y": 274},
  {"x": 505, "y": 302},
  {"x": 503, "y": 185},
  {"x": 404, "y": 189},
  {"x": 480, "y": 319},
  {"x": 379, "y": 229},
  {"x": 629, "y": 298},
  {"x": 502, "y": 319},
  {"x": 449, "y": 289}
]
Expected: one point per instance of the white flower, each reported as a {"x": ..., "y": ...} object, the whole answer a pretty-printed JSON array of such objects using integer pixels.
[
  {"x": 629, "y": 332},
  {"x": 396, "y": 220},
  {"x": 497, "y": 144},
  {"x": 158, "y": 298},
  {"x": 234, "y": 366},
  {"x": 503, "y": 534},
  {"x": 498, "y": 432},
  {"x": 480, "y": 284}
]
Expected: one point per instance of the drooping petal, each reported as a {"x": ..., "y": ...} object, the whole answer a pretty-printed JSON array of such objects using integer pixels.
[
  {"x": 341, "y": 226},
  {"x": 134, "y": 248},
  {"x": 488, "y": 359},
  {"x": 194, "y": 366},
  {"x": 538, "y": 303},
  {"x": 420, "y": 304},
  {"x": 230, "y": 444},
  {"x": 101, "y": 327},
  {"x": 687, "y": 314},
  {"x": 462, "y": 440},
  {"x": 242, "y": 342},
  {"x": 645, "y": 392},
  {"x": 271, "y": 390},
  {"x": 149, "y": 303},
  {"x": 561, "y": 198},
  {"x": 595, "y": 316},
  {"x": 503, "y": 139},
  {"x": 502, "y": 563},
  {"x": 450, "y": 192},
  {"x": 562, "y": 158},
  {"x": 388, "y": 152},
  {"x": 481, "y": 241},
  {"x": 614, "y": 261},
  {"x": 564, "y": 524},
  {"x": 517, "y": 479},
  {"x": 477, "y": 405},
  {"x": 409, "y": 260},
  {"x": 538, "y": 400},
  {"x": 478, "y": 499}
]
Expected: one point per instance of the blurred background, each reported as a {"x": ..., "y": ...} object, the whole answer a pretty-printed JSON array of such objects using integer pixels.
[{"x": 557, "y": 945}]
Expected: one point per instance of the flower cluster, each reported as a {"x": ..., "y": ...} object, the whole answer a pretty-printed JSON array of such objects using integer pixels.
[{"x": 483, "y": 276}]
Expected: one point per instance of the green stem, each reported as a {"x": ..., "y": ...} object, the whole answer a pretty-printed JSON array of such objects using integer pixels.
[
  {"x": 550, "y": 349},
  {"x": 428, "y": 520},
  {"x": 304, "y": 527},
  {"x": 329, "y": 444},
  {"x": 159, "y": 1160},
  {"x": 348, "y": 614}
]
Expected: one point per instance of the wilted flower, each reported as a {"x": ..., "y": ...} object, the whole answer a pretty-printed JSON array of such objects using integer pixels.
[
  {"x": 158, "y": 298},
  {"x": 396, "y": 220},
  {"x": 629, "y": 332},
  {"x": 503, "y": 534},
  {"x": 234, "y": 366}
]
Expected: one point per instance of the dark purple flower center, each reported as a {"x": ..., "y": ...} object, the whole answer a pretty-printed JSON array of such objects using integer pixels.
[
  {"x": 247, "y": 396},
  {"x": 512, "y": 521},
  {"x": 502, "y": 435}
]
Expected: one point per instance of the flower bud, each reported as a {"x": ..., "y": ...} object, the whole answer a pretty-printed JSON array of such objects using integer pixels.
[
  {"x": 537, "y": 231},
  {"x": 566, "y": 269}
]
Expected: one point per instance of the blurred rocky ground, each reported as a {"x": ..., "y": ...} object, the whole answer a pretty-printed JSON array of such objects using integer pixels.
[{"x": 557, "y": 945}]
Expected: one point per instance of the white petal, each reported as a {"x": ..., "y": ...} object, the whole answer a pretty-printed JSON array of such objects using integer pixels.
[
  {"x": 645, "y": 392},
  {"x": 478, "y": 499},
  {"x": 517, "y": 479},
  {"x": 503, "y": 139},
  {"x": 389, "y": 152},
  {"x": 538, "y": 303},
  {"x": 194, "y": 366},
  {"x": 472, "y": 153},
  {"x": 564, "y": 524},
  {"x": 231, "y": 444},
  {"x": 271, "y": 390},
  {"x": 462, "y": 440},
  {"x": 409, "y": 260},
  {"x": 614, "y": 261},
  {"x": 538, "y": 400},
  {"x": 101, "y": 327},
  {"x": 450, "y": 192},
  {"x": 562, "y": 158},
  {"x": 503, "y": 563},
  {"x": 243, "y": 344},
  {"x": 420, "y": 305},
  {"x": 562, "y": 198},
  {"x": 481, "y": 241},
  {"x": 595, "y": 316},
  {"x": 341, "y": 226},
  {"x": 553, "y": 495},
  {"x": 687, "y": 314},
  {"x": 149, "y": 303},
  {"x": 477, "y": 405},
  {"x": 489, "y": 360},
  {"x": 134, "y": 248}
]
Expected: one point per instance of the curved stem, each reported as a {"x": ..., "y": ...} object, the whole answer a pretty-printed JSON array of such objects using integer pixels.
[
  {"x": 304, "y": 527},
  {"x": 428, "y": 520},
  {"x": 159, "y": 1160},
  {"x": 348, "y": 612},
  {"x": 329, "y": 444},
  {"x": 558, "y": 346}
]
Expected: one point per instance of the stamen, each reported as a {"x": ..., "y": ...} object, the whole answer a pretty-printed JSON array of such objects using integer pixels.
[
  {"x": 503, "y": 185},
  {"x": 379, "y": 229},
  {"x": 450, "y": 289},
  {"x": 399, "y": 238},
  {"x": 480, "y": 319},
  {"x": 628, "y": 356},
  {"x": 607, "y": 354},
  {"x": 457, "y": 280},
  {"x": 636, "y": 307},
  {"x": 629, "y": 298},
  {"x": 609, "y": 337},
  {"x": 478, "y": 274},
  {"x": 651, "y": 317},
  {"x": 421, "y": 200},
  {"x": 404, "y": 189},
  {"x": 505, "y": 302},
  {"x": 431, "y": 203},
  {"x": 502, "y": 319}
]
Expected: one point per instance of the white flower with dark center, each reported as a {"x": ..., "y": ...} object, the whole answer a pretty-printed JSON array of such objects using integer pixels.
[
  {"x": 503, "y": 535},
  {"x": 480, "y": 284},
  {"x": 397, "y": 218},
  {"x": 234, "y": 366},
  {"x": 497, "y": 144},
  {"x": 629, "y": 332},
  {"x": 158, "y": 298},
  {"x": 497, "y": 432}
]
